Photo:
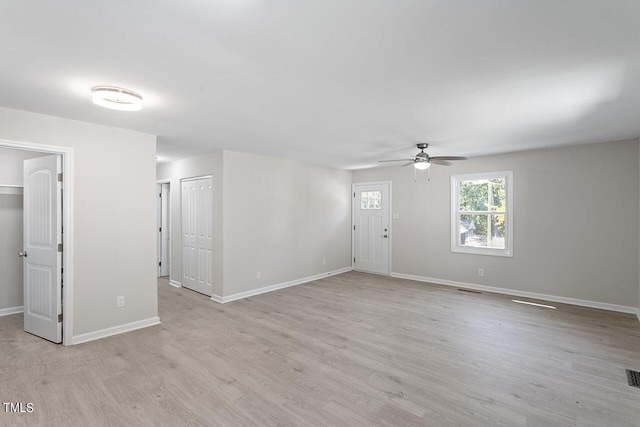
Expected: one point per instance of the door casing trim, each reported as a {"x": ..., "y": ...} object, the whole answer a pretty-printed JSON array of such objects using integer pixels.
[{"x": 67, "y": 224}]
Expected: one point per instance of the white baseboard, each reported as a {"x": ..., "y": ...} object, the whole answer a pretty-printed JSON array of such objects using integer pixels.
[
  {"x": 175, "y": 284},
  {"x": 271, "y": 288},
  {"x": 115, "y": 330},
  {"x": 12, "y": 310},
  {"x": 218, "y": 298},
  {"x": 524, "y": 294}
]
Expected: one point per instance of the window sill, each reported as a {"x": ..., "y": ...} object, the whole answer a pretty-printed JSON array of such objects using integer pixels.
[{"x": 482, "y": 251}]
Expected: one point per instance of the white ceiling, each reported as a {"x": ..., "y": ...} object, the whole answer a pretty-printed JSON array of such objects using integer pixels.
[{"x": 334, "y": 82}]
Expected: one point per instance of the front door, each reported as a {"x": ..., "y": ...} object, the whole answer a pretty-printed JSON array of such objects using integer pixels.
[
  {"x": 371, "y": 207},
  {"x": 42, "y": 255}
]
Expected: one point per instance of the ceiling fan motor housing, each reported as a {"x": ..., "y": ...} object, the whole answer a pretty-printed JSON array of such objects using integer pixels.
[{"x": 422, "y": 156}]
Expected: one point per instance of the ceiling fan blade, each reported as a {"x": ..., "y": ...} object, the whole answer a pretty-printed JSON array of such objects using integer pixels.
[
  {"x": 440, "y": 162},
  {"x": 399, "y": 160},
  {"x": 448, "y": 158},
  {"x": 410, "y": 163}
]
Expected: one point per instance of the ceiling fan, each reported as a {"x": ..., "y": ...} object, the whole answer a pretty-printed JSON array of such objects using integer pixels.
[{"x": 422, "y": 161}]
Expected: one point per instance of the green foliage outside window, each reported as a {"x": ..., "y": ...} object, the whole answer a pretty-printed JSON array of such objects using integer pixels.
[{"x": 484, "y": 196}]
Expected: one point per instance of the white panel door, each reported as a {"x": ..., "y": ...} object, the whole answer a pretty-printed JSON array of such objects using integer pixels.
[
  {"x": 159, "y": 223},
  {"x": 189, "y": 238},
  {"x": 371, "y": 207},
  {"x": 197, "y": 235},
  {"x": 41, "y": 258},
  {"x": 165, "y": 230},
  {"x": 204, "y": 226}
]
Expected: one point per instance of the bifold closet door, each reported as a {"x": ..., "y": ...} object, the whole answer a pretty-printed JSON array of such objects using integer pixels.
[
  {"x": 189, "y": 234},
  {"x": 204, "y": 237},
  {"x": 197, "y": 237}
]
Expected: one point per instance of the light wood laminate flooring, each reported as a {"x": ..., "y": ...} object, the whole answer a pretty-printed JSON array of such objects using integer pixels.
[{"x": 350, "y": 350}]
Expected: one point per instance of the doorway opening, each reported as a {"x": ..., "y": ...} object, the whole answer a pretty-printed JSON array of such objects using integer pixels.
[{"x": 39, "y": 181}]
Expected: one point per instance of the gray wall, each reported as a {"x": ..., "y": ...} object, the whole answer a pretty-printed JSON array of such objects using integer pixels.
[
  {"x": 206, "y": 164},
  {"x": 275, "y": 216},
  {"x": 10, "y": 243},
  {"x": 576, "y": 223},
  {"x": 282, "y": 218},
  {"x": 115, "y": 234}
]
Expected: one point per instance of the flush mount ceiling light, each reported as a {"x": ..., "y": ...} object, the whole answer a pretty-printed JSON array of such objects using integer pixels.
[{"x": 116, "y": 98}]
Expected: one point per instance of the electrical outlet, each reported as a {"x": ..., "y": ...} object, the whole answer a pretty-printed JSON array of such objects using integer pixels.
[
  {"x": 258, "y": 275},
  {"x": 324, "y": 262},
  {"x": 120, "y": 301},
  {"x": 481, "y": 272}
]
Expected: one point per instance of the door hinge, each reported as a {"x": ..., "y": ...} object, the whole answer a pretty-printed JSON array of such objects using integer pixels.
[
  {"x": 354, "y": 227},
  {"x": 354, "y": 260},
  {"x": 60, "y": 177},
  {"x": 160, "y": 229},
  {"x": 354, "y": 195},
  {"x": 160, "y": 264},
  {"x": 60, "y": 318},
  {"x": 59, "y": 247}
]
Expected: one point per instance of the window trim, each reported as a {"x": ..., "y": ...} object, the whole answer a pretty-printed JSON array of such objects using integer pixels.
[{"x": 455, "y": 224}]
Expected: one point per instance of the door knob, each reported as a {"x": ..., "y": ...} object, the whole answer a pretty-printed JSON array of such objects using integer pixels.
[{"x": 22, "y": 254}]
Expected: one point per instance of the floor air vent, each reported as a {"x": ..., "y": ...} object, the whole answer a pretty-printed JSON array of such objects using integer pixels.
[
  {"x": 633, "y": 378},
  {"x": 469, "y": 290}
]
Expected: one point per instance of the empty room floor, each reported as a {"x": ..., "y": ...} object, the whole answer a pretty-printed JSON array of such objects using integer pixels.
[{"x": 354, "y": 349}]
